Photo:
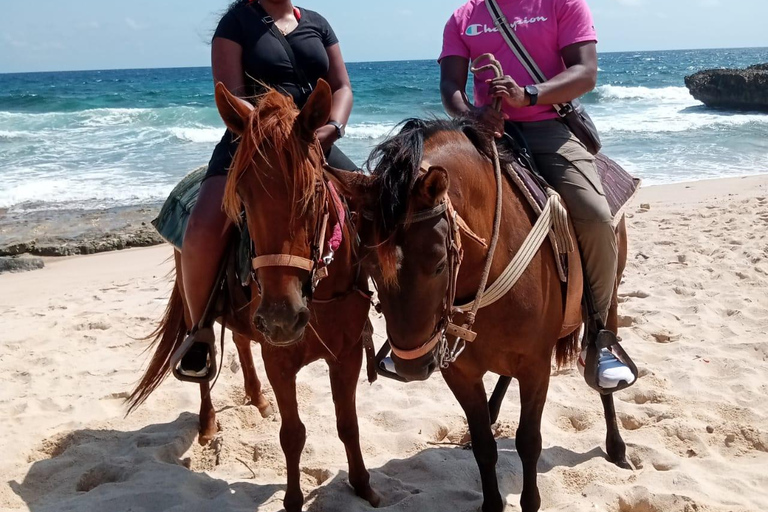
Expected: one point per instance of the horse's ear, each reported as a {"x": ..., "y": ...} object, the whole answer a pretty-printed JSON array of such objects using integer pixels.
[
  {"x": 317, "y": 112},
  {"x": 233, "y": 110},
  {"x": 356, "y": 187},
  {"x": 432, "y": 186}
]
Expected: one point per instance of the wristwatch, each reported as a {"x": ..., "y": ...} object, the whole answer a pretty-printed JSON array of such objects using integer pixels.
[
  {"x": 340, "y": 128},
  {"x": 533, "y": 94}
]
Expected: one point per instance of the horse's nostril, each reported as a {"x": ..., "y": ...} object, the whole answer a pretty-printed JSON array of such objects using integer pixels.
[
  {"x": 261, "y": 324},
  {"x": 302, "y": 319}
]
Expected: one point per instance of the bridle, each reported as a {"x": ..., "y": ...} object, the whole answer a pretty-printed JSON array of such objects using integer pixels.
[
  {"x": 447, "y": 352},
  {"x": 320, "y": 258}
]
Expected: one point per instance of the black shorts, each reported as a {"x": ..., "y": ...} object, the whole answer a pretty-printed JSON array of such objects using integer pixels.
[{"x": 221, "y": 160}]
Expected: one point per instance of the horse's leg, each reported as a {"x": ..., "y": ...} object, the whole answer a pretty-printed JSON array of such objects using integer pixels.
[
  {"x": 250, "y": 377},
  {"x": 344, "y": 375},
  {"x": 499, "y": 392},
  {"x": 614, "y": 444},
  {"x": 207, "y": 428},
  {"x": 534, "y": 383},
  {"x": 293, "y": 434},
  {"x": 471, "y": 396}
]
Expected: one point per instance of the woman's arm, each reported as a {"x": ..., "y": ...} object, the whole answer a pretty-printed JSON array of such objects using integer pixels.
[
  {"x": 227, "y": 64},
  {"x": 338, "y": 79}
]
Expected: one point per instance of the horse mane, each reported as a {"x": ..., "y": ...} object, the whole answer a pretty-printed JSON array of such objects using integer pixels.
[
  {"x": 271, "y": 125},
  {"x": 395, "y": 165}
]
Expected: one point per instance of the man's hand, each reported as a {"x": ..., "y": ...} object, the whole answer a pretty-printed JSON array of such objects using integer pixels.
[
  {"x": 506, "y": 89},
  {"x": 327, "y": 135},
  {"x": 492, "y": 119}
]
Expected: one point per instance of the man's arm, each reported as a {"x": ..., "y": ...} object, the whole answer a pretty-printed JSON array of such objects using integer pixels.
[
  {"x": 578, "y": 79},
  {"x": 453, "y": 90}
]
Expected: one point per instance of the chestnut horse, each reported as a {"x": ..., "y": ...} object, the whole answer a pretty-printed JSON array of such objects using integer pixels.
[
  {"x": 297, "y": 313},
  {"x": 418, "y": 175}
]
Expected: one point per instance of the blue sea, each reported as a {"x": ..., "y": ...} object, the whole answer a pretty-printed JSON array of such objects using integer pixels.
[{"x": 99, "y": 139}]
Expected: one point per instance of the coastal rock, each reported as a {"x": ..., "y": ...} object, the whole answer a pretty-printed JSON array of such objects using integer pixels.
[
  {"x": 69, "y": 233},
  {"x": 20, "y": 264},
  {"x": 742, "y": 89}
]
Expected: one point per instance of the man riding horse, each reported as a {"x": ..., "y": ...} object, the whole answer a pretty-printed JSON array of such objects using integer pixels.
[{"x": 561, "y": 39}]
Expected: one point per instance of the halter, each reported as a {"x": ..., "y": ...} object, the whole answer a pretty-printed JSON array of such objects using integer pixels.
[{"x": 320, "y": 258}]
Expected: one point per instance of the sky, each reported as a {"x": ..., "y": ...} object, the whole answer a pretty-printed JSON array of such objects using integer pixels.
[{"x": 56, "y": 35}]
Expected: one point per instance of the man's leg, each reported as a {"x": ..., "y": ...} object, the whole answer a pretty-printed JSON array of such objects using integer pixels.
[{"x": 591, "y": 218}]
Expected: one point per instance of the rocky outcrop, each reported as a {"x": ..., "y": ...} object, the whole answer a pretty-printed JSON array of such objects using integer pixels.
[
  {"x": 20, "y": 264},
  {"x": 741, "y": 89},
  {"x": 67, "y": 233}
]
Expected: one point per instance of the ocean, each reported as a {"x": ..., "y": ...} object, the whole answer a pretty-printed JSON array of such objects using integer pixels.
[{"x": 100, "y": 139}]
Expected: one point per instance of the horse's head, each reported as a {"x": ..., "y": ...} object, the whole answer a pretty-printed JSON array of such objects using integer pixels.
[
  {"x": 276, "y": 177},
  {"x": 409, "y": 223}
]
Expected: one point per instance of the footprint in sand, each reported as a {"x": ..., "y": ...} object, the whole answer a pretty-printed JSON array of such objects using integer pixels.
[
  {"x": 93, "y": 326},
  {"x": 104, "y": 473},
  {"x": 638, "y": 294}
]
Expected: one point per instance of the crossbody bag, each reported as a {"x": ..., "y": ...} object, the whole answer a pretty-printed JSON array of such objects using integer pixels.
[{"x": 572, "y": 113}]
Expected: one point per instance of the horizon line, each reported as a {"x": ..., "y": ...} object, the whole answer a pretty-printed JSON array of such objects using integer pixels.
[{"x": 363, "y": 61}]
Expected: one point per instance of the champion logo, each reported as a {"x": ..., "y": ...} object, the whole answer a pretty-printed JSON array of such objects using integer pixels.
[{"x": 479, "y": 29}]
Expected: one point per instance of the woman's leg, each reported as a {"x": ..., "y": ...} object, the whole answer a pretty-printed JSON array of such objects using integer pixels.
[{"x": 204, "y": 243}]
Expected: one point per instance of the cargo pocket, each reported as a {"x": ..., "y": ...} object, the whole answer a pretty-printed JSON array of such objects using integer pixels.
[{"x": 588, "y": 169}]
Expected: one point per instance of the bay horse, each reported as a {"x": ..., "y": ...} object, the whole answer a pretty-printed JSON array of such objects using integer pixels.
[
  {"x": 419, "y": 177},
  {"x": 304, "y": 306}
]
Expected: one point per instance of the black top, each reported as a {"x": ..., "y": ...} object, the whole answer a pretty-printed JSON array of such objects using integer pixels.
[{"x": 265, "y": 58}]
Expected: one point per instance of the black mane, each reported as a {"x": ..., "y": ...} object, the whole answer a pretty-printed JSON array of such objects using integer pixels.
[{"x": 396, "y": 162}]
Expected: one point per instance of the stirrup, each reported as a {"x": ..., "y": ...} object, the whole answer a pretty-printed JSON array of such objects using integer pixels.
[
  {"x": 204, "y": 339},
  {"x": 606, "y": 340}
]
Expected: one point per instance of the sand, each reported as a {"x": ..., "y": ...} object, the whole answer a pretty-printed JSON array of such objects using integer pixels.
[{"x": 694, "y": 315}]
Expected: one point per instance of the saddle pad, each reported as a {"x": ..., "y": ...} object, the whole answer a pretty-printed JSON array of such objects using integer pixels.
[
  {"x": 171, "y": 223},
  {"x": 619, "y": 186}
]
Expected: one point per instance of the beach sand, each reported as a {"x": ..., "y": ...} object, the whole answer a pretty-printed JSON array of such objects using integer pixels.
[{"x": 694, "y": 315}]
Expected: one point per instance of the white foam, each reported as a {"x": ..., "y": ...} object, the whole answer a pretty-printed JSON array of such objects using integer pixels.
[
  {"x": 369, "y": 131},
  {"x": 199, "y": 135},
  {"x": 671, "y": 119},
  {"x": 664, "y": 94}
]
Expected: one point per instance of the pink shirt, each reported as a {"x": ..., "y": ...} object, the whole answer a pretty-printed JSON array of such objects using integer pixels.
[{"x": 543, "y": 26}]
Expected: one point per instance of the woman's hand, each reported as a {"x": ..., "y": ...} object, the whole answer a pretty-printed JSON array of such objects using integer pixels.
[
  {"x": 506, "y": 89},
  {"x": 327, "y": 135}
]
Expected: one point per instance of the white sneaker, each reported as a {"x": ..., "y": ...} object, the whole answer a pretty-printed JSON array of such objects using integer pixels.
[{"x": 611, "y": 371}]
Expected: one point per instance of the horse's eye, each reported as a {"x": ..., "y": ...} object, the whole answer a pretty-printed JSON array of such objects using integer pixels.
[{"x": 440, "y": 268}]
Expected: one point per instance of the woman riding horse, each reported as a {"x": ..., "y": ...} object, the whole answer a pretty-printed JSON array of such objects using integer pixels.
[{"x": 257, "y": 43}]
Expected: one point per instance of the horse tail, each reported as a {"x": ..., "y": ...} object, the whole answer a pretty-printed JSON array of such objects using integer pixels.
[
  {"x": 168, "y": 336},
  {"x": 567, "y": 349}
]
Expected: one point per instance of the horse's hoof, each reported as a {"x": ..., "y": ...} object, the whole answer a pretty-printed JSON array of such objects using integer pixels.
[
  {"x": 372, "y": 497},
  {"x": 623, "y": 464},
  {"x": 266, "y": 410}
]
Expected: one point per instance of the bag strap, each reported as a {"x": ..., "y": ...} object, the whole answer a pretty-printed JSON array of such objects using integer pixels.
[
  {"x": 269, "y": 21},
  {"x": 502, "y": 24}
]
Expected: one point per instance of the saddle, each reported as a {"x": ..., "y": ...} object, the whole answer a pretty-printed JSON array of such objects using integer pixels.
[{"x": 620, "y": 188}]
